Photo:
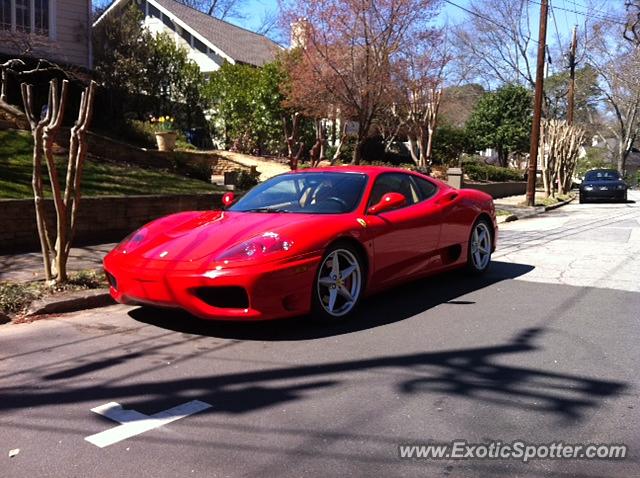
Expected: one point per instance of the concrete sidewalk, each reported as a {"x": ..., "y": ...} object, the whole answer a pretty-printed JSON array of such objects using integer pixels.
[{"x": 28, "y": 266}]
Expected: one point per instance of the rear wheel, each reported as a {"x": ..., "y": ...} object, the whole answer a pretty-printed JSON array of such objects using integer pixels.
[
  {"x": 480, "y": 247},
  {"x": 338, "y": 285}
]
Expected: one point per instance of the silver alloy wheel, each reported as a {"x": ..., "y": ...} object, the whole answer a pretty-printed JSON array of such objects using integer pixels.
[
  {"x": 480, "y": 246},
  {"x": 339, "y": 282}
]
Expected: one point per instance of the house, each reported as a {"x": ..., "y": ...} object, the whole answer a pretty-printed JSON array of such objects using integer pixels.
[
  {"x": 210, "y": 42},
  {"x": 56, "y": 30},
  {"x": 632, "y": 164}
]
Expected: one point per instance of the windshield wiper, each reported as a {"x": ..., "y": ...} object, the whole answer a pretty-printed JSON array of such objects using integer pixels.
[{"x": 266, "y": 209}]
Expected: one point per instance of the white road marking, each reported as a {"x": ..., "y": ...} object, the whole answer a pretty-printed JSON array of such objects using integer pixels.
[{"x": 134, "y": 423}]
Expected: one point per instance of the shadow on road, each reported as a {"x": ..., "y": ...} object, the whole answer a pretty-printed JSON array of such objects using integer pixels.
[
  {"x": 391, "y": 306},
  {"x": 485, "y": 374}
]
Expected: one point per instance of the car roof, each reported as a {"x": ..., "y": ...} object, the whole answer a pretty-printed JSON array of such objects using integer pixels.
[{"x": 369, "y": 170}]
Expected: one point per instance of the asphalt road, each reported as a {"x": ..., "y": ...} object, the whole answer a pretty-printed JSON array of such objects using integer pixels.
[{"x": 544, "y": 348}]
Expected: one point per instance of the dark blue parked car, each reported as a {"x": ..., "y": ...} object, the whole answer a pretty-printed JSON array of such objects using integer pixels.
[{"x": 603, "y": 184}]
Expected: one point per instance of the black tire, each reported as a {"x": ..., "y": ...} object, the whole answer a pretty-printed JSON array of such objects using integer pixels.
[
  {"x": 582, "y": 199},
  {"x": 352, "y": 284},
  {"x": 480, "y": 247}
]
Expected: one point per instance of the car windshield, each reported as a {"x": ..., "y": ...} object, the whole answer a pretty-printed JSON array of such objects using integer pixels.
[
  {"x": 309, "y": 193},
  {"x": 602, "y": 175}
]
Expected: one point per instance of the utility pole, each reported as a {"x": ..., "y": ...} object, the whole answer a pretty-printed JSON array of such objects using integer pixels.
[
  {"x": 537, "y": 106},
  {"x": 572, "y": 76}
]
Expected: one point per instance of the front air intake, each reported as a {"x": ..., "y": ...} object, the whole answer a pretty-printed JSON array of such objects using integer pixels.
[
  {"x": 224, "y": 297},
  {"x": 112, "y": 280}
]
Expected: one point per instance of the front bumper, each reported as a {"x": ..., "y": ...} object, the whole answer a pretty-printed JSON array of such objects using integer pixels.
[
  {"x": 274, "y": 290},
  {"x": 603, "y": 195}
]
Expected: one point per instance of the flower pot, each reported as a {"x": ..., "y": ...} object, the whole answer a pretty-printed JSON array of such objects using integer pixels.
[{"x": 166, "y": 140}]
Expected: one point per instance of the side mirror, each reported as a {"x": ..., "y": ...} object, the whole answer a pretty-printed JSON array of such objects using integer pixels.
[
  {"x": 227, "y": 199},
  {"x": 388, "y": 202}
]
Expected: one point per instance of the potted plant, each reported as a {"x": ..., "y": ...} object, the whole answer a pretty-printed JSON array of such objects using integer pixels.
[{"x": 165, "y": 134}]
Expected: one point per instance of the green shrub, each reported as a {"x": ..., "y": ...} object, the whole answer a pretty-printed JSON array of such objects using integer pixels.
[
  {"x": 184, "y": 145},
  {"x": 15, "y": 297},
  {"x": 246, "y": 180},
  {"x": 196, "y": 168},
  {"x": 143, "y": 132},
  {"x": 595, "y": 158},
  {"x": 477, "y": 170}
]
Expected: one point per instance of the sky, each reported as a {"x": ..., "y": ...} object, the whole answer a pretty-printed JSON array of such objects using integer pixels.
[{"x": 564, "y": 15}]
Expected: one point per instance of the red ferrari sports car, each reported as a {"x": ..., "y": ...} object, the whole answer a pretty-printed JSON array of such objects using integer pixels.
[{"x": 311, "y": 241}]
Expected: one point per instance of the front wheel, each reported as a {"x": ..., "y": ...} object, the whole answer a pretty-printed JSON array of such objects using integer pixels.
[
  {"x": 338, "y": 285},
  {"x": 480, "y": 247}
]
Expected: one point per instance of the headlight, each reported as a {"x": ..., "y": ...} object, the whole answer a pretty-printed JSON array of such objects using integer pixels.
[
  {"x": 588, "y": 188},
  {"x": 621, "y": 187},
  {"x": 267, "y": 243},
  {"x": 132, "y": 241}
]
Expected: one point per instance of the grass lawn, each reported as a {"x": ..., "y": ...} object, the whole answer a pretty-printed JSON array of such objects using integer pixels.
[
  {"x": 551, "y": 201},
  {"x": 99, "y": 178}
]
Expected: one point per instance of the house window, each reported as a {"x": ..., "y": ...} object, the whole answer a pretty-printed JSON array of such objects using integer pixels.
[
  {"x": 186, "y": 35},
  {"x": 200, "y": 46},
  {"x": 27, "y": 16},
  {"x": 41, "y": 16},
  {"x": 167, "y": 21},
  {"x": 154, "y": 12},
  {"x": 5, "y": 14},
  {"x": 23, "y": 15}
]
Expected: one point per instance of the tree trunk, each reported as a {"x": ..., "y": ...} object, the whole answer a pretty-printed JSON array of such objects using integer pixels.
[
  {"x": 422, "y": 147},
  {"x": 502, "y": 157},
  {"x": 429, "y": 151},
  {"x": 412, "y": 149},
  {"x": 44, "y": 131},
  {"x": 341, "y": 140},
  {"x": 357, "y": 152}
]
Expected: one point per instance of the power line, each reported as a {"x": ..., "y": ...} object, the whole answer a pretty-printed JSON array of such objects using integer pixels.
[
  {"x": 587, "y": 8},
  {"x": 479, "y": 15},
  {"x": 555, "y": 24},
  {"x": 597, "y": 17},
  {"x": 484, "y": 17}
]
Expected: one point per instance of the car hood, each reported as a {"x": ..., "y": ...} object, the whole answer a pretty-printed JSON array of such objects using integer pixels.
[{"x": 208, "y": 234}]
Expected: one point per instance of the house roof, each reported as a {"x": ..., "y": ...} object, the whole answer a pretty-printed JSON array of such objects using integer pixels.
[{"x": 236, "y": 43}]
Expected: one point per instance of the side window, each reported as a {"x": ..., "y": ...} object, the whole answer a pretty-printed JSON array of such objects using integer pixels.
[
  {"x": 427, "y": 188},
  {"x": 394, "y": 183}
]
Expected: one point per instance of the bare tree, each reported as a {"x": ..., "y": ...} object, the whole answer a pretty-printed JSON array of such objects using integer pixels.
[
  {"x": 295, "y": 147},
  {"x": 618, "y": 67},
  {"x": 632, "y": 28},
  {"x": 24, "y": 44},
  {"x": 347, "y": 49},
  {"x": 421, "y": 77},
  {"x": 558, "y": 155},
  {"x": 496, "y": 43},
  {"x": 269, "y": 23},
  {"x": 45, "y": 128},
  {"x": 222, "y": 9}
]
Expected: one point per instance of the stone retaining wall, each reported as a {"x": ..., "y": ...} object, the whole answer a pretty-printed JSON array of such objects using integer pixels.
[
  {"x": 499, "y": 190},
  {"x": 102, "y": 219}
]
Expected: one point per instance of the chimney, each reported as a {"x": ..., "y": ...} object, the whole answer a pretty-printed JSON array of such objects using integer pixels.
[{"x": 300, "y": 32}]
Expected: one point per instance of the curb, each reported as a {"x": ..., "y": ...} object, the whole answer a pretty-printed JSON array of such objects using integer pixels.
[
  {"x": 560, "y": 204},
  {"x": 537, "y": 210},
  {"x": 72, "y": 302}
]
